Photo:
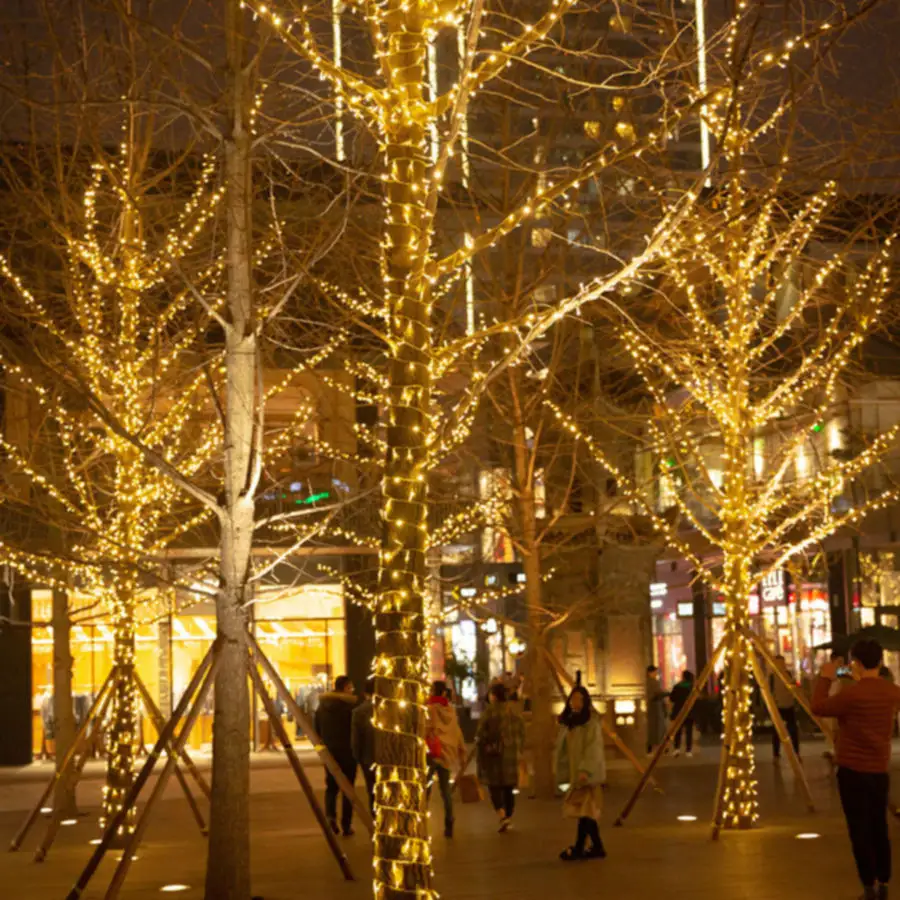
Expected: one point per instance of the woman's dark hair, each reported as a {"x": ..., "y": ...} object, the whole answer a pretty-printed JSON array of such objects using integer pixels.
[
  {"x": 868, "y": 653},
  {"x": 498, "y": 692},
  {"x": 439, "y": 689},
  {"x": 687, "y": 675},
  {"x": 569, "y": 717},
  {"x": 652, "y": 669}
]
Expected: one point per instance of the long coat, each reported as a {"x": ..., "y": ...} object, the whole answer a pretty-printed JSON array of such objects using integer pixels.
[
  {"x": 501, "y": 770},
  {"x": 656, "y": 712},
  {"x": 581, "y": 764},
  {"x": 579, "y": 750}
]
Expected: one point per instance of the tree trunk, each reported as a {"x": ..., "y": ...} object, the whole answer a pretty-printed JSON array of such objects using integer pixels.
[
  {"x": 120, "y": 735},
  {"x": 228, "y": 862},
  {"x": 543, "y": 730},
  {"x": 402, "y": 854},
  {"x": 739, "y": 800},
  {"x": 63, "y": 711}
]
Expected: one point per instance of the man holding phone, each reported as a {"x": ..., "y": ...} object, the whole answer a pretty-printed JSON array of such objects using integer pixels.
[{"x": 865, "y": 711}]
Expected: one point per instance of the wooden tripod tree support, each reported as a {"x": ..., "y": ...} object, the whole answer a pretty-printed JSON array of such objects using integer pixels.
[
  {"x": 304, "y": 722},
  {"x": 754, "y": 644},
  {"x": 560, "y": 675},
  {"x": 282, "y": 735},
  {"x": 191, "y": 703},
  {"x": 759, "y": 645},
  {"x": 190, "y": 706},
  {"x": 781, "y": 729},
  {"x": 73, "y": 766},
  {"x": 62, "y": 771},
  {"x": 673, "y": 730}
]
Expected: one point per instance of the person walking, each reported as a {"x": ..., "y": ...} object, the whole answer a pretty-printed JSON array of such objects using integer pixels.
[
  {"x": 334, "y": 725},
  {"x": 678, "y": 697},
  {"x": 656, "y": 710},
  {"x": 784, "y": 700},
  {"x": 499, "y": 740},
  {"x": 581, "y": 764},
  {"x": 865, "y": 712},
  {"x": 362, "y": 740},
  {"x": 446, "y": 748}
]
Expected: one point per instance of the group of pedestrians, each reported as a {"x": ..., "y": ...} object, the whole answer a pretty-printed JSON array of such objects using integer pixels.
[{"x": 345, "y": 727}]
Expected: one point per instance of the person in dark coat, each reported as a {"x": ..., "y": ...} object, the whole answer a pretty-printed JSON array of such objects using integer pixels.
[
  {"x": 362, "y": 740},
  {"x": 678, "y": 697},
  {"x": 334, "y": 725}
]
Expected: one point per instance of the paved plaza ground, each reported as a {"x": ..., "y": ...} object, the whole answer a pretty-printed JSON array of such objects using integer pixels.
[{"x": 653, "y": 856}]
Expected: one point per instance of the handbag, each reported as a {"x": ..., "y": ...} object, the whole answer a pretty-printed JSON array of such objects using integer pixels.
[
  {"x": 469, "y": 789},
  {"x": 581, "y": 802}
]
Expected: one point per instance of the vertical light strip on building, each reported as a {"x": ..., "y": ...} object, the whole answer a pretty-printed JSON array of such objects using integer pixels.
[
  {"x": 464, "y": 167},
  {"x": 703, "y": 83},
  {"x": 337, "y": 7}
]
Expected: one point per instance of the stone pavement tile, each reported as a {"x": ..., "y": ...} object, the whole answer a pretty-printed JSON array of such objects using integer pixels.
[{"x": 652, "y": 857}]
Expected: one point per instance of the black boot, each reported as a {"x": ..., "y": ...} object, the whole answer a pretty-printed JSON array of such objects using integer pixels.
[
  {"x": 882, "y": 892},
  {"x": 448, "y": 829}
]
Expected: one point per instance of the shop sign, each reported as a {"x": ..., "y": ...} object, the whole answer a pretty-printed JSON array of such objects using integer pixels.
[
  {"x": 659, "y": 589},
  {"x": 773, "y": 589},
  {"x": 686, "y": 609},
  {"x": 718, "y": 610}
]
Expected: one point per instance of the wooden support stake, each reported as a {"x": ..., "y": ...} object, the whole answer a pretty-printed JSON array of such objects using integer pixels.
[
  {"x": 560, "y": 673},
  {"x": 56, "y": 818},
  {"x": 159, "y": 724},
  {"x": 294, "y": 760},
  {"x": 362, "y": 809},
  {"x": 778, "y": 722},
  {"x": 62, "y": 770},
  {"x": 673, "y": 730},
  {"x": 112, "y": 827},
  {"x": 798, "y": 695},
  {"x": 134, "y": 839}
]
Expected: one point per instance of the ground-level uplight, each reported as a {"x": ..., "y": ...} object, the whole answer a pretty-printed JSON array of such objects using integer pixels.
[
  {"x": 687, "y": 818},
  {"x": 174, "y": 888},
  {"x": 69, "y": 822},
  {"x": 95, "y": 842},
  {"x": 808, "y": 836}
]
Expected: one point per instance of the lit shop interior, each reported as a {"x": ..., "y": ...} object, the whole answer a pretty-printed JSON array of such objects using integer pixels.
[
  {"x": 792, "y": 619},
  {"x": 302, "y": 630}
]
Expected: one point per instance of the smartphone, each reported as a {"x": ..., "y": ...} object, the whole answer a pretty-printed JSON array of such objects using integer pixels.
[{"x": 843, "y": 671}]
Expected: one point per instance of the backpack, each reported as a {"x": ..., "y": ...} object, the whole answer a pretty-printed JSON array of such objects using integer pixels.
[{"x": 492, "y": 738}]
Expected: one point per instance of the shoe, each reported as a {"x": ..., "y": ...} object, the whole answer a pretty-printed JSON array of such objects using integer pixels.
[
  {"x": 882, "y": 892},
  {"x": 334, "y": 826},
  {"x": 597, "y": 851},
  {"x": 869, "y": 893},
  {"x": 505, "y": 824},
  {"x": 676, "y": 753},
  {"x": 571, "y": 854},
  {"x": 689, "y": 754},
  {"x": 349, "y": 832},
  {"x": 448, "y": 830}
]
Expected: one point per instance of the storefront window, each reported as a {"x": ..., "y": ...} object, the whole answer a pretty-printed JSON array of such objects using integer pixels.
[{"x": 302, "y": 631}]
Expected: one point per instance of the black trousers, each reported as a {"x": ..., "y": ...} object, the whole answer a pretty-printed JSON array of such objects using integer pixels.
[
  {"x": 864, "y": 797},
  {"x": 687, "y": 726},
  {"x": 331, "y": 794},
  {"x": 587, "y": 828},
  {"x": 503, "y": 798},
  {"x": 789, "y": 714}
]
